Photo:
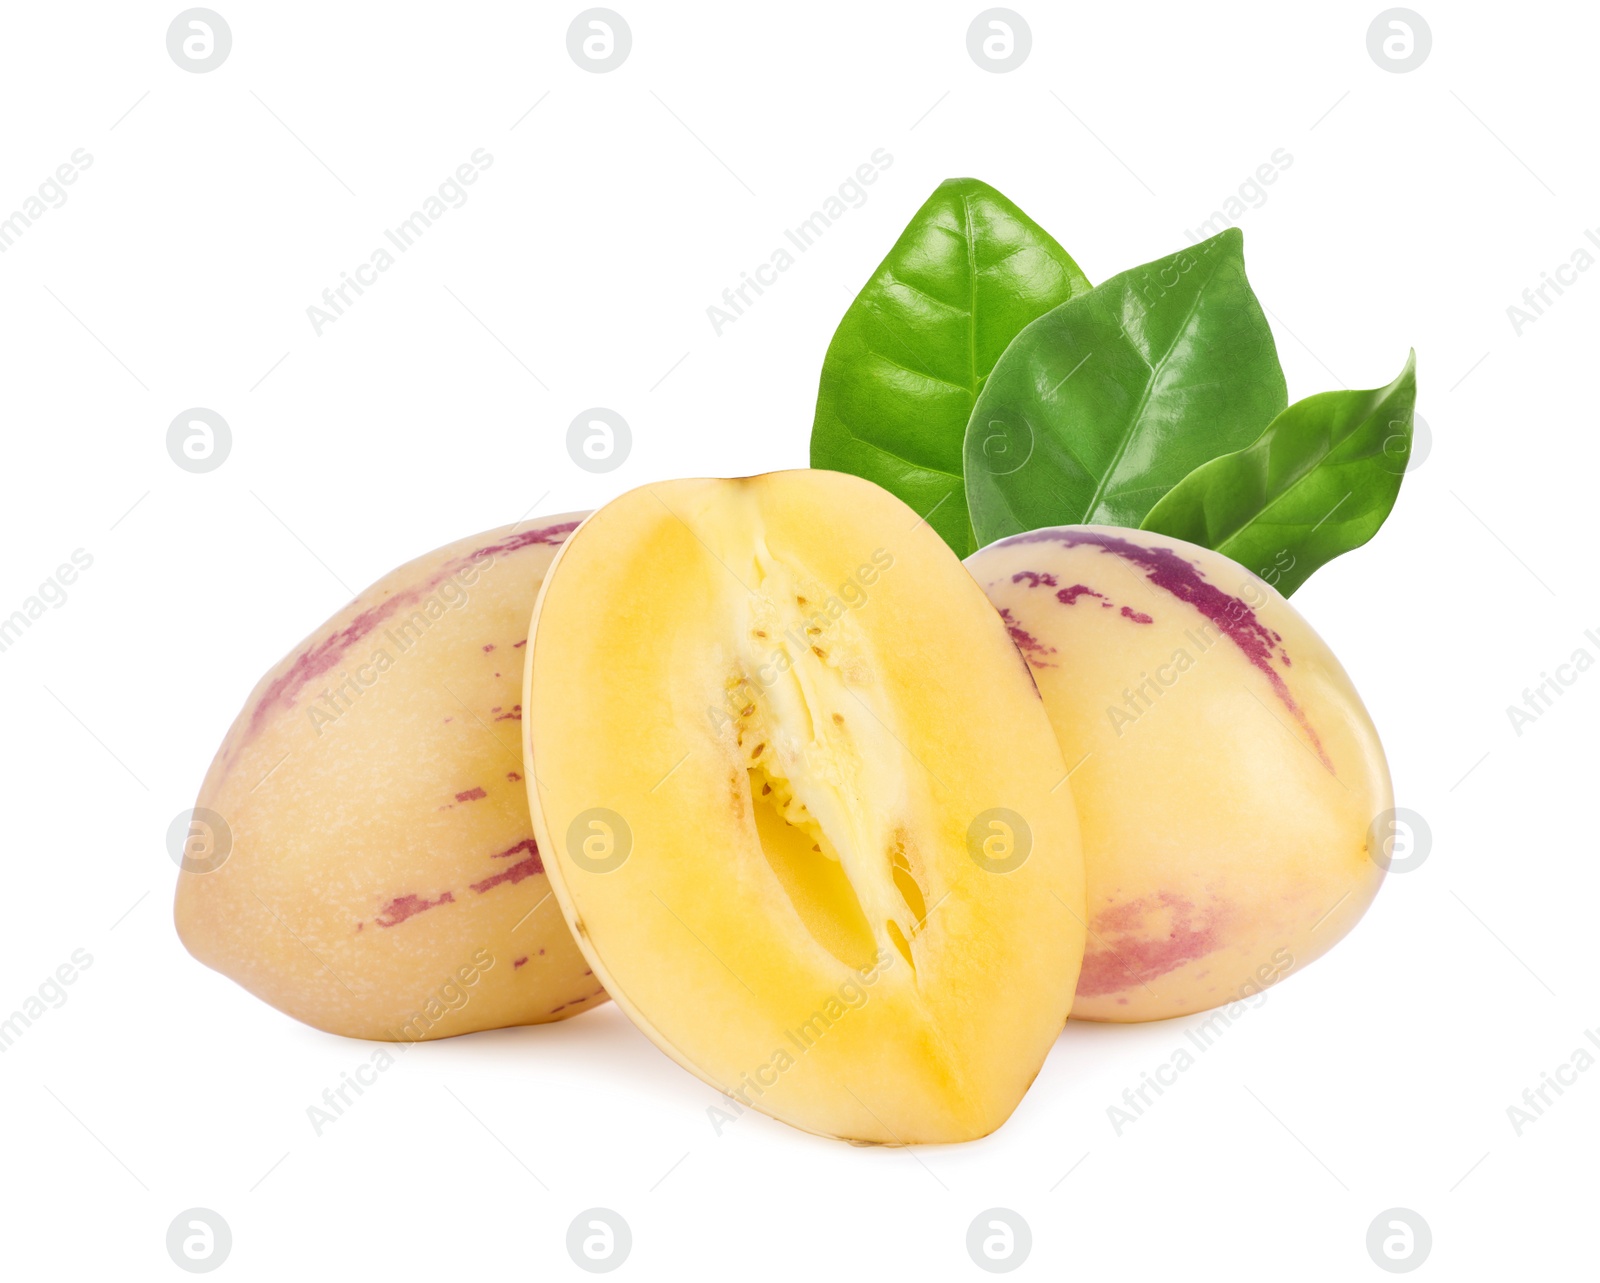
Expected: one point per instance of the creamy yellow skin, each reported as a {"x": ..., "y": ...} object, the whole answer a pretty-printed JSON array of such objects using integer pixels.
[
  {"x": 383, "y": 880},
  {"x": 1226, "y": 773},
  {"x": 783, "y": 700}
]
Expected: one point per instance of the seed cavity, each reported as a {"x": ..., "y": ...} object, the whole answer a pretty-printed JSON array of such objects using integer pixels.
[
  {"x": 812, "y": 877},
  {"x": 900, "y": 944},
  {"x": 906, "y": 884}
]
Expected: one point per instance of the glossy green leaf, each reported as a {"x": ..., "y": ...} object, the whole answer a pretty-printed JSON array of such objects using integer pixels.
[
  {"x": 1101, "y": 406},
  {"x": 911, "y": 355},
  {"x": 1318, "y": 482}
]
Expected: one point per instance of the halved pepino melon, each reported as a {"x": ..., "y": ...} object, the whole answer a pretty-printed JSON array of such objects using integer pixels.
[{"x": 802, "y": 806}]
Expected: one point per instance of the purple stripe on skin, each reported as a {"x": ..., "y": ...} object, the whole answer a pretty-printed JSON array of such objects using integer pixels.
[
  {"x": 1141, "y": 950},
  {"x": 524, "y": 868},
  {"x": 1069, "y": 596},
  {"x": 1031, "y": 647},
  {"x": 1167, "y": 569},
  {"x": 525, "y": 539},
  {"x": 408, "y": 906},
  {"x": 326, "y": 654}
]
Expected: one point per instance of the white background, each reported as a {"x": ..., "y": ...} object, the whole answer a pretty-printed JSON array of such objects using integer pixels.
[{"x": 178, "y": 273}]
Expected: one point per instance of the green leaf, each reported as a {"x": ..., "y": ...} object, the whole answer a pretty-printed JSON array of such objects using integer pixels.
[
  {"x": 911, "y": 355},
  {"x": 1101, "y": 406},
  {"x": 1318, "y": 482}
]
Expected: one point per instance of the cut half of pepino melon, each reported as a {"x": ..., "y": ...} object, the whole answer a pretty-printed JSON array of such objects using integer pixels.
[{"x": 802, "y": 806}]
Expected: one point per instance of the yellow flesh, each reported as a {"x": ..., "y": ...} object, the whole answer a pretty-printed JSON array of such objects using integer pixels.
[
  {"x": 798, "y": 750},
  {"x": 1222, "y": 852},
  {"x": 359, "y": 787}
]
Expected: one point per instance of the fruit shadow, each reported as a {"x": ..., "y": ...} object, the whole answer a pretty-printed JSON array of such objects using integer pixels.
[{"x": 600, "y": 1044}]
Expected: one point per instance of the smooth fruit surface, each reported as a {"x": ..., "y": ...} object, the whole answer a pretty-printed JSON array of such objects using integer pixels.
[
  {"x": 802, "y": 806},
  {"x": 1226, "y": 774},
  {"x": 375, "y": 871}
]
